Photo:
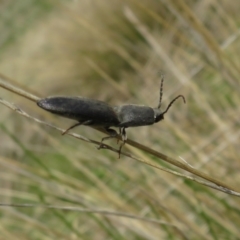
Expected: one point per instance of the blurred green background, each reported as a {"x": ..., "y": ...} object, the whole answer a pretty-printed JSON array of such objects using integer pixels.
[{"x": 113, "y": 51}]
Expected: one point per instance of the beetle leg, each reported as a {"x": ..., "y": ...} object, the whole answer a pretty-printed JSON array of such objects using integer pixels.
[
  {"x": 112, "y": 133},
  {"x": 124, "y": 134},
  {"x": 120, "y": 133},
  {"x": 124, "y": 138},
  {"x": 75, "y": 125}
]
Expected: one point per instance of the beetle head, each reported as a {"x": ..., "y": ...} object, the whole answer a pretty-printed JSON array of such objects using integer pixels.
[{"x": 159, "y": 115}]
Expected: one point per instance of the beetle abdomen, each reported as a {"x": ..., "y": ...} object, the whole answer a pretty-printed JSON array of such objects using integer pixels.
[
  {"x": 134, "y": 115},
  {"x": 81, "y": 109}
]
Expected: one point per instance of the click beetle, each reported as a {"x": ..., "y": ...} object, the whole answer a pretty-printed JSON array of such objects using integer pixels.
[{"x": 91, "y": 112}]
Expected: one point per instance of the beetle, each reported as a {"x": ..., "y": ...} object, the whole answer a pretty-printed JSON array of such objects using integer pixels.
[{"x": 91, "y": 112}]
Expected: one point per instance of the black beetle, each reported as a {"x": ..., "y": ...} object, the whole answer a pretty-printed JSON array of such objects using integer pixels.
[{"x": 100, "y": 114}]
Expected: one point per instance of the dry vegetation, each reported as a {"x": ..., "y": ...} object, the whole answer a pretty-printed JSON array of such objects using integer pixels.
[{"x": 55, "y": 187}]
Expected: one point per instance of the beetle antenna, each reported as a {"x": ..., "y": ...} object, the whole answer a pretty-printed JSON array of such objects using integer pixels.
[
  {"x": 161, "y": 90},
  {"x": 170, "y": 104}
]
